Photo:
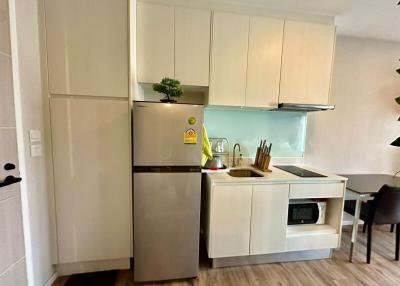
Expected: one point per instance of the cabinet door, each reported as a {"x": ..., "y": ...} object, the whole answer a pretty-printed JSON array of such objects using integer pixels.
[
  {"x": 269, "y": 218},
  {"x": 230, "y": 221},
  {"x": 87, "y": 47},
  {"x": 192, "y": 46},
  {"x": 229, "y": 59},
  {"x": 264, "y": 62},
  {"x": 92, "y": 178},
  {"x": 155, "y": 42},
  {"x": 307, "y": 57}
]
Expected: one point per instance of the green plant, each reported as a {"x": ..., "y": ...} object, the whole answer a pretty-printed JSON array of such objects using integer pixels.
[{"x": 170, "y": 87}]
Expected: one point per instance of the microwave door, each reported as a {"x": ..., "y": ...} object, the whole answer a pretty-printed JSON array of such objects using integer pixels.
[{"x": 303, "y": 213}]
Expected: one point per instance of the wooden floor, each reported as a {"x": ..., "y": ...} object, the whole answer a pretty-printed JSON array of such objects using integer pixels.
[{"x": 383, "y": 270}]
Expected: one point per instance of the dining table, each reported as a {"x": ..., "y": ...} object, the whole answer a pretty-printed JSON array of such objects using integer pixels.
[{"x": 361, "y": 188}]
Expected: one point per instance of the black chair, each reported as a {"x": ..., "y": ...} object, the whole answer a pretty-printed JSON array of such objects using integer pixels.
[{"x": 383, "y": 209}]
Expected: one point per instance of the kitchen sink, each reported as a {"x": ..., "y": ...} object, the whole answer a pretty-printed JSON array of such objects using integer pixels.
[{"x": 244, "y": 173}]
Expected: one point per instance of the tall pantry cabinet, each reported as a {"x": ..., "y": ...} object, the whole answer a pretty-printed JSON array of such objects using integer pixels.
[{"x": 87, "y": 54}]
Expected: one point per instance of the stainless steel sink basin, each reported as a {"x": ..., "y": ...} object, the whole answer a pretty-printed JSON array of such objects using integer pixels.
[{"x": 244, "y": 173}]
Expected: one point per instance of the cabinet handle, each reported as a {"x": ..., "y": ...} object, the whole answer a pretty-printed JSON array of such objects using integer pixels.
[{"x": 9, "y": 180}]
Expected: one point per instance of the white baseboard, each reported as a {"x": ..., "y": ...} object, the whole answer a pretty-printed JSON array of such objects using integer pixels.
[{"x": 51, "y": 280}]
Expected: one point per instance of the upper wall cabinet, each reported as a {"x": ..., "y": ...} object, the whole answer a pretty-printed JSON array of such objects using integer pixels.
[
  {"x": 246, "y": 60},
  {"x": 307, "y": 63},
  {"x": 87, "y": 47},
  {"x": 155, "y": 42},
  {"x": 229, "y": 59},
  {"x": 192, "y": 46},
  {"x": 173, "y": 42},
  {"x": 264, "y": 62}
]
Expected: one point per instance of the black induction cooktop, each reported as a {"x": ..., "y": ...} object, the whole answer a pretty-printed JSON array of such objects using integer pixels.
[{"x": 299, "y": 171}]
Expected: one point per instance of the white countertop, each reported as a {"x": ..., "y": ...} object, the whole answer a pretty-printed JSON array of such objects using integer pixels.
[{"x": 277, "y": 175}]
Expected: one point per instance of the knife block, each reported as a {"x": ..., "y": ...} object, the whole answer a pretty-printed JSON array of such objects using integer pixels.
[{"x": 263, "y": 164}]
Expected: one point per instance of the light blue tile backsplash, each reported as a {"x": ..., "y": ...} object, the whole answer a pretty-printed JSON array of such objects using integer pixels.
[{"x": 285, "y": 130}]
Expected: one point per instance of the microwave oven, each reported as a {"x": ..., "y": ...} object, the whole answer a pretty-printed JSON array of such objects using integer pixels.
[{"x": 306, "y": 212}]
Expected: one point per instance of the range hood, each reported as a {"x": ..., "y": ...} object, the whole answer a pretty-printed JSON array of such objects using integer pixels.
[{"x": 303, "y": 107}]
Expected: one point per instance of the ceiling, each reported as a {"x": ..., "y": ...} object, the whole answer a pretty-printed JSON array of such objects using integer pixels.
[
  {"x": 359, "y": 18},
  {"x": 378, "y": 19}
]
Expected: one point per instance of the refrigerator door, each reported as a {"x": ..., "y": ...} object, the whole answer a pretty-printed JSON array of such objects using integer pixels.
[
  {"x": 162, "y": 134},
  {"x": 166, "y": 223}
]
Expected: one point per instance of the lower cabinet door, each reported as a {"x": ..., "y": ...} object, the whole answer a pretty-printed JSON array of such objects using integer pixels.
[
  {"x": 92, "y": 178},
  {"x": 230, "y": 221},
  {"x": 269, "y": 218}
]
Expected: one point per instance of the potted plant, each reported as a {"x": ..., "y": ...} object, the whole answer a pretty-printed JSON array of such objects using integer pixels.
[{"x": 170, "y": 87}]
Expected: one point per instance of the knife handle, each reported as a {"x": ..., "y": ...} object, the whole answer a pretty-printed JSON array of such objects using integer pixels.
[
  {"x": 261, "y": 158},
  {"x": 257, "y": 156}
]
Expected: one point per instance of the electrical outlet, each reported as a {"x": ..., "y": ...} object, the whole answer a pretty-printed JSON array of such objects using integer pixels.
[
  {"x": 35, "y": 136},
  {"x": 36, "y": 150}
]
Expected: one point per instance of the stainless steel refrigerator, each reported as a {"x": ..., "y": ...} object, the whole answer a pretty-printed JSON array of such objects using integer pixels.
[{"x": 167, "y": 146}]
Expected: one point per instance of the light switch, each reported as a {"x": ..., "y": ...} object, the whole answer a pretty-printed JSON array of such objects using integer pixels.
[
  {"x": 35, "y": 136},
  {"x": 36, "y": 150}
]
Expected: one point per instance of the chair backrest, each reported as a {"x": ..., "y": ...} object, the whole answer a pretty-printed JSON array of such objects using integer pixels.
[{"x": 386, "y": 206}]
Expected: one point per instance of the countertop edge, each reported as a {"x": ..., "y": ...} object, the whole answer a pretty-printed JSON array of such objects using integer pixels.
[{"x": 276, "y": 176}]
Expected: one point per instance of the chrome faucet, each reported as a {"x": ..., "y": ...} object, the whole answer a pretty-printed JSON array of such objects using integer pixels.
[{"x": 234, "y": 154}]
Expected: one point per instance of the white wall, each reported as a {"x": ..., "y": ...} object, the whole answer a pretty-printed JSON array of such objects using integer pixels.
[
  {"x": 356, "y": 137},
  {"x": 30, "y": 110}
]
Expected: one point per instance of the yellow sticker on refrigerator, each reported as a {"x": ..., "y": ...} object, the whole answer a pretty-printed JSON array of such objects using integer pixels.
[{"x": 190, "y": 137}]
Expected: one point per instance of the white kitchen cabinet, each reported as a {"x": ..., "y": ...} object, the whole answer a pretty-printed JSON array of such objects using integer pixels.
[
  {"x": 264, "y": 62},
  {"x": 173, "y": 42},
  {"x": 155, "y": 42},
  {"x": 307, "y": 191},
  {"x": 311, "y": 242},
  {"x": 269, "y": 218},
  {"x": 192, "y": 46},
  {"x": 87, "y": 47},
  {"x": 307, "y": 58},
  {"x": 230, "y": 221},
  {"x": 249, "y": 217},
  {"x": 92, "y": 178},
  {"x": 229, "y": 59}
]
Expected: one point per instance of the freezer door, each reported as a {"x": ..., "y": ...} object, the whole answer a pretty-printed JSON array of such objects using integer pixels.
[
  {"x": 159, "y": 131},
  {"x": 166, "y": 225}
]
